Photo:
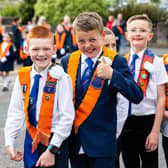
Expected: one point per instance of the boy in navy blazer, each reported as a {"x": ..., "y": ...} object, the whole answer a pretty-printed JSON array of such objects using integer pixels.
[{"x": 97, "y": 74}]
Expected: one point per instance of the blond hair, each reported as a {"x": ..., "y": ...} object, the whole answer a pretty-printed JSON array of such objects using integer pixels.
[
  {"x": 87, "y": 21},
  {"x": 140, "y": 17},
  {"x": 108, "y": 32}
]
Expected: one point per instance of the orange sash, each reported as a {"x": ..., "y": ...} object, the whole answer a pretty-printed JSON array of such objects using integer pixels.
[
  {"x": 60, "y": 42},
  {"x": 73, "y": 38},
  {"x": 3, "y": 53},
  {"x": 42, "y": 132},
  {"x": 94, "y": 90},
  {"x": 165, "y": 60},
  {"x": 144, "y": 76}
]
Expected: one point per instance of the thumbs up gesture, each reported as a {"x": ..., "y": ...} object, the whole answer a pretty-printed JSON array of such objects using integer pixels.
[{"x": 104, "y": 70}]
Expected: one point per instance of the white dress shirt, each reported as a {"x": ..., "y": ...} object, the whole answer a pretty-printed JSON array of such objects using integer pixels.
[
  {"x": 84, "y": 65},
  {"x": 159, "y": 76},
  {"x": 63, "y": 114}
]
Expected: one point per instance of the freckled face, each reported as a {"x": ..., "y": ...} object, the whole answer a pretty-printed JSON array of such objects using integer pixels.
[{"x": 41, "y": 51}]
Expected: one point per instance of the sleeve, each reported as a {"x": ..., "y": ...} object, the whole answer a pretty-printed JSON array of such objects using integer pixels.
[
  {"x": 15, "y": 116},
  {"x": 160, "y": 74},
  {"x": 66, "y": 111},
  {"x": 123, "y": 82}
]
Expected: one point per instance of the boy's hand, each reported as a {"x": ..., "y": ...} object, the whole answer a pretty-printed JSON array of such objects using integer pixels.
[
  {"x": 151, "y": 142},
  {"x": 104, "y": 70},
  {"x": 47, "y": 159},
  {"x": 166, "y": 114},
  {"x": 14, "y": 156}
]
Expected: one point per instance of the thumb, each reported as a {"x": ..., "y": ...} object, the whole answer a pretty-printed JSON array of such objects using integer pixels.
[
  {"x": 38, "y": 163},
  {"x": 103, "y": 60}
]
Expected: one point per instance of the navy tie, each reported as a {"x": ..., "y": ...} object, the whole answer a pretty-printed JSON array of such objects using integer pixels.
[
  {"x": 87, "y": 74},
  {"x": 132, "y": 70},
  {"x": 132, "y": 65},
  {"x": 33, "y": 100},
  {"x": 30, "y": 158}
]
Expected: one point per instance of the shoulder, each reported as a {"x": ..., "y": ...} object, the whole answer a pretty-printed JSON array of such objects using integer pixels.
[
  {"x": 57, "y": 72},
  {"x": 119, "y": 60}
]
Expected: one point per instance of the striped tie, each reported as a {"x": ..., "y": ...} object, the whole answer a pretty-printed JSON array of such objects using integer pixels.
[
  {"x": 132, "y": 70},
  {"x": 87, "y": 74}
]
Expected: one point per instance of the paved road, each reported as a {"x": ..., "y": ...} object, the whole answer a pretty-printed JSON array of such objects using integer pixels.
[{"x": 4, "y": 102}]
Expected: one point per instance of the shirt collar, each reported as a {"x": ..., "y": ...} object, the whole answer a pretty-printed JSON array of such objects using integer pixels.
[
  {"x": 83, "y": 57},
  {"x": 140, "y": 54},
  {"x": 42, "y": 73}
]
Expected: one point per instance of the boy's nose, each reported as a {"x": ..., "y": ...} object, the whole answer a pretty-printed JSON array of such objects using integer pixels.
[{"x": 41, "y": 52}]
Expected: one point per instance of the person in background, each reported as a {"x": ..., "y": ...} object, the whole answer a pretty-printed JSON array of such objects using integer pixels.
[
  {"x": 17, "y": 30},
  {"x": 117, "y": 30},
  {"x": 110, "y": 22},
  {"x": 42, "y": 98},
  {"x": 109, "y": 39},
  {"x": 122, "y": 102},
  {"x": 68, "y": 28},
  {"x": 122, "y": 24},
  {"x": 60, "y": 41},
  {"x": 26, "y": 59},
  {"x": 6, "y": 60}
]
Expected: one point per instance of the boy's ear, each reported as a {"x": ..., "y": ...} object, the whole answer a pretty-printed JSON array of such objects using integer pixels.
[
  {"x": 126, "y": 35},
  {"x": 55, "y": 49},
  {"x": 150, "y": 36},
  {"x": 26, "y": 50},
  {"x": 103, "y": 34}
]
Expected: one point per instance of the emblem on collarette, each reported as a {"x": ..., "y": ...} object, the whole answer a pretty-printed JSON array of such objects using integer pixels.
[{"x": 144, "y": 76}]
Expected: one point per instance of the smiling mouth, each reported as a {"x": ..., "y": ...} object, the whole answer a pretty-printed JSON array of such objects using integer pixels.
[{"x": 41, "y": 59}]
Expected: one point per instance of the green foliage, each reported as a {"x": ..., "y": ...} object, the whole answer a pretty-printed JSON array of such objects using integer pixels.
[
  {"x": 9, "y": 10},
  {"x": 152, "y": 11},
  {"x": 26, "y": 11},
  {"x": 54, "y": 10}
]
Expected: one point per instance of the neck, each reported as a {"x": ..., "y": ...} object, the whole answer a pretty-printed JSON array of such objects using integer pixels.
[{"x": 137, "y": 50}]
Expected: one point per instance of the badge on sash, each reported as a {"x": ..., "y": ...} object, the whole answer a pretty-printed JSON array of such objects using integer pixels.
[
  {"x": 97, "y": 82},
  {"x": 47, "y": 97},
  {"x": 50, "y": 87},
  {"x": 24, "y": 88}
]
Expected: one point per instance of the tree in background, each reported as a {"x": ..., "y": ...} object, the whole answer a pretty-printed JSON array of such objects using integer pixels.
[
  {"x": 26, "y": 10},
  {"x": 54, "y": 10}
]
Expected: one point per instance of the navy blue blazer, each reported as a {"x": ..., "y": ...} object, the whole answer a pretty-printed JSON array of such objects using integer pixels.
[{"x": 97, "y": 134}]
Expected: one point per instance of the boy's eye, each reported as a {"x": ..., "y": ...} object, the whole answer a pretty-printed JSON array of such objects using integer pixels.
[
  {"x": 92, "y": 40},
  {"x": 132, "y": 30},
  {"x": 35, "y": 49},
  {"x": 143, "y": 30},
  {"x": 46, "y": 49},
  {"x": 107, "y": 45},
  {"x": 81, "y": 41}
]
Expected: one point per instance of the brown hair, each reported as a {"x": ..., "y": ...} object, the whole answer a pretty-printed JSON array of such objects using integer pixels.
[
  {"x": 140, "y": 17},
  {"x": 39, "y": 32},
  {"x": 87, "y": 21}
]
